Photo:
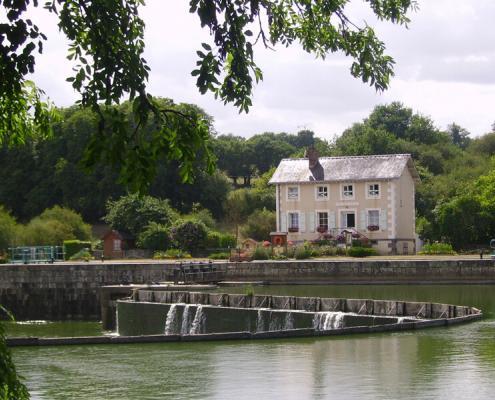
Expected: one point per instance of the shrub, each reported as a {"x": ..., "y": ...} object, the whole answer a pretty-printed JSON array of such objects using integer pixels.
[
  {"x": 3, "y": 259},
  {"x": 356, "y": 251},
  {"x": 340, "y": 251},
  {"x": 259, "y": 225},
  {"x": 437, "y": 249},
  {"x": 39, "y": 232},
  {"x": 261, "y": 253},
  {"x": 171, "y": 254},
  {"x": 199, "y": 214},
  {"x": 72, "y": 247},
  {"x": 154, "y": 237},
  {"x": 189, "y": 235},
  {"x": 218, "y": 240},
  {"x": 219, "y": 256},
  {"x": 82, "y": 255},
  {"x": 227, "y": 240},
  {"x": 302, "y": 252},
  {"x": 279, "y": 257},
  {"x": 78, "y": 228},
  {"x": 325, "y": 251}
]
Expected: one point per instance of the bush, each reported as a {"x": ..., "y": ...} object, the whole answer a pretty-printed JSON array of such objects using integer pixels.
[
  {"x": 72, "y": 247},
  {"x": 219, "y": 256},
  {"x": 302, "y": 252},
  {"x": 259, "y": 225},
  {"x": 3, "y": 259},
  {"x": 154, "y": 237},
  {"x": 340, "y": 251},
  {"x": 279, "y": 257},
  {"x": 199, "y": 214},
  {"x": 189, "y": 235},
  {"x": 218, "y": 240},
  {"x": 227, "y": 241},
  {"x": 357, "y": 251},
  {"x": 325, "y": 251},
  {"x": 437, "y": 249},
  {"x": 261, "y": 253},
  {"x": 40, "y": 232},
  {"x": 171, "y": 254},
  {"x": 78, "y": 228},
  {"x": 82, "y": 255}
]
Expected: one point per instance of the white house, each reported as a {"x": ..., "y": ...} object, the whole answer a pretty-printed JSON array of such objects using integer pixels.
[{"x": 332, "y": 197}]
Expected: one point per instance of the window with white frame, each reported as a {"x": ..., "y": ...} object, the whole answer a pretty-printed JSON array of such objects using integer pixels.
[
  {"x": 347, "y": 191},
  {"x": 373, "y": 220},
  {"x": 322, "y": 192},
  {"x": 293, "y": 221},
  {"x": 322, "y": 219},
  {"x": 117, "y": 245},
  {"x": 373, "y": 190},
  {"x": 292, "y": 193}
]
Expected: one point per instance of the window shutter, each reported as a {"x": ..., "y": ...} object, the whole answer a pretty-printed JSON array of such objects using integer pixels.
[
  {"x": 383, "y": 219},
  {"x": 331, "y": 220},
  {"x": 302, "y": 222},
  {"x": 283, "y": 223},
  {"x": 362, "y": 220},
  {"x": 311, "y": 221}
]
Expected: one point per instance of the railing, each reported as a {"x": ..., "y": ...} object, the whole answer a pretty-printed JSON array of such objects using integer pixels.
[
  {"x": 36, "y": 254},
  {"x": 197, "y": 273}
]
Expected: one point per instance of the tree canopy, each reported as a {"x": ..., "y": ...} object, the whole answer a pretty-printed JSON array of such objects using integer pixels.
[{"x": 106, "y": 44}]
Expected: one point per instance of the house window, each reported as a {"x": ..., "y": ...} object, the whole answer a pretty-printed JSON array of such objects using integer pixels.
[
  {"x": 374, "y": 190},
  {"x": 322, "y": 192},
  {"x": 348, "y": 191},
  {"x": 117, "y": 245},
  {"x": 293, "y": 193},
  {"x": 373, "y": 220},
  {"x": 293, "y": 222},
  {"x": 322, "y": 218}
]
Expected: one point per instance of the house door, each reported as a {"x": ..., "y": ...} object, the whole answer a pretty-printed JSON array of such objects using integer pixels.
[{"x": 348, "y": 219}]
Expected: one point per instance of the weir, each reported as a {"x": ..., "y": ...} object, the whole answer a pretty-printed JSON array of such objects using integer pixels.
[{"x": 194, "y": 314}]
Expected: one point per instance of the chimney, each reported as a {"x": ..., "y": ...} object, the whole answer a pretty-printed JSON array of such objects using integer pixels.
[{"x": 312, "y": 156}]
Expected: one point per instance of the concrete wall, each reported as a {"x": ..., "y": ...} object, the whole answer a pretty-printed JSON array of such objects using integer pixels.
[{"x": 61, "y": 291}]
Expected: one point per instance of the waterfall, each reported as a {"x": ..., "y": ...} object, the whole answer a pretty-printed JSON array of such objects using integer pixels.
[
  {"x": 400, "y": 320},
  {"x": 170, "y": 321},
  {"x": 186, "y": 321},
  {"x": 117, "y": 322},
  {"x": 324, "y": 321},
  {"x": 289, "y": 321},
  {"x": 198, "y": 322},
  {"x": 260, "y": 323}
]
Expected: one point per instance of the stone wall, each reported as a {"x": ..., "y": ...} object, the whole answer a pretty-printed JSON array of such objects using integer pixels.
[{"x": 63, "y": 291}]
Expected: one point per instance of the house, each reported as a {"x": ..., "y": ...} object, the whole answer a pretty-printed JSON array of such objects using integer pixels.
[{"x": 370, "y": 197}]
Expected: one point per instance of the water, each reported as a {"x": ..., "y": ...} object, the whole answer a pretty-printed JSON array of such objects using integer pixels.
[
  {"x": 324, "y": 321},
  {"x": 441, "y": 363}
]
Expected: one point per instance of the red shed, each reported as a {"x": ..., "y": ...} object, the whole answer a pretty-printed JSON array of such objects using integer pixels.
[{"x": 115, "y": 243}]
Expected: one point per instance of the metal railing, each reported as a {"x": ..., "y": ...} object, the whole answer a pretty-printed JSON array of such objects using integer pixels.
[{"x": 36, "y": 254}]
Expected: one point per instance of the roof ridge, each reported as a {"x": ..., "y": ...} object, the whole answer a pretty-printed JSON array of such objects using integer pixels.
[{"x": 341, "y": 157}]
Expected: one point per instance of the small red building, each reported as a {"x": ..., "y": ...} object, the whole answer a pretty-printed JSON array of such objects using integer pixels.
[{"x": 115, "y": 243}]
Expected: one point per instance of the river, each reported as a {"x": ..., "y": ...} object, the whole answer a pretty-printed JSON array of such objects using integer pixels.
[{"x": 439, "y": 363}]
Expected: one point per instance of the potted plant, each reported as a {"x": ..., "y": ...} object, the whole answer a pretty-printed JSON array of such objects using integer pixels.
[
  {"x": 372, "y": 228},
  {"x": 322, "y": 229},
  {"x": 293, "y": 229}
]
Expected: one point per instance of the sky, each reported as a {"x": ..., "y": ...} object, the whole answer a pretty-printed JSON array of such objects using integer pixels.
[{"x": 445, "y": 69}]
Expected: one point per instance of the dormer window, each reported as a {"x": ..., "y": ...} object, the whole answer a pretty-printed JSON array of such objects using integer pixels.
[
  {"x": 322, "y": 192},
  {"x": 347, "y": 191},
  {"x": 292, "y": 193}
]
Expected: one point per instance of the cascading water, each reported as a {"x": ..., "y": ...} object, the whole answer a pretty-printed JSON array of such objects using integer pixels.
[
  {"x": 260, "y": 323},
  {"x": 186, "y": 321},
  {"x": 324, "y": 321},
  {"x": 170, "y": 323},
  {"x": 289, "y": 321},
  {"x": 198, "y": 322}
]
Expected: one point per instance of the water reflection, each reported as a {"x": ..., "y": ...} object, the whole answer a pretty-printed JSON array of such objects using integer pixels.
[{"x": 440, "y": 363}]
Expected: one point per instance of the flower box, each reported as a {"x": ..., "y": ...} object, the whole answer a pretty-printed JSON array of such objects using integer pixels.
[
  {"x": 293, "y": 229},
  {"x": 356, "y": 235},
  {"x": 322, "y": 229},
  {"x": 372, "y": 228}
]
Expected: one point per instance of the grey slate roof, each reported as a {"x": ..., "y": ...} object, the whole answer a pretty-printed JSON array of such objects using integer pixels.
[{"x": 338, "y": 169}]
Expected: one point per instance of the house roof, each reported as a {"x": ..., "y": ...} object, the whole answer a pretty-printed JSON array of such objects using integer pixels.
[{"x": 338, "y": 169}]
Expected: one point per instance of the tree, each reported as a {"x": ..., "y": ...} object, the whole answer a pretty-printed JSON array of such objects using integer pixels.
[
  {"x": 259, "y": 225},
  {"x": 459, "y": 135},
  {"x": 8, "y": 230},
  {"x": 106, "y": 43},
  {"x": 133, "y": 213}
]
